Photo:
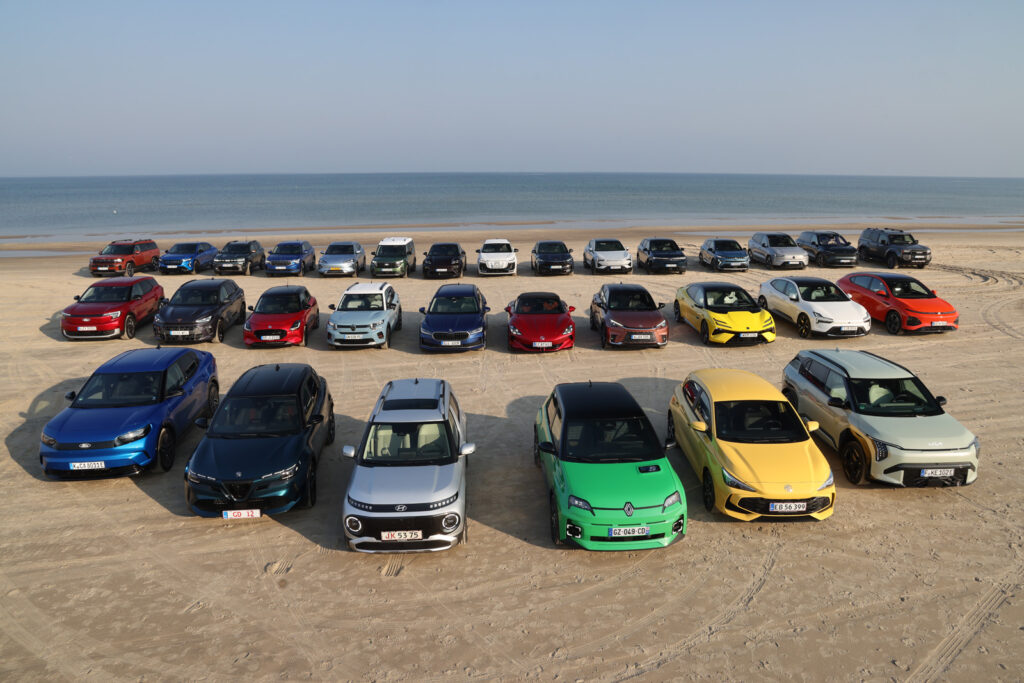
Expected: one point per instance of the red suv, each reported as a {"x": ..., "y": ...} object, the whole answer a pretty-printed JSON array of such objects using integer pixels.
[
  {"x": 112, "y": 308},
  {"x": 124, "y": 257}
]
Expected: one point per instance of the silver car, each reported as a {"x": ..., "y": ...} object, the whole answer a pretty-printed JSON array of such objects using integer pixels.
[
  {"x": 607, "y": 255},
  {"x": 367, "y": 315},
  {"x": 407, "y": 492},
  {"x": 342, "y": 258},
  {"x": 776, "y": 250}
]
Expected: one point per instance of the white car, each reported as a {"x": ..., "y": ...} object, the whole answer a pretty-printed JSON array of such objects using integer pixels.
[
  {"x": 607, "y": 255},
  {"x": 815, "y": 306},
  {"x": 497, "y": 257}
]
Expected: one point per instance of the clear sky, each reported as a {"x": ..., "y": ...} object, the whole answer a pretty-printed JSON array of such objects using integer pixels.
[{"x": 917, "y": 87}]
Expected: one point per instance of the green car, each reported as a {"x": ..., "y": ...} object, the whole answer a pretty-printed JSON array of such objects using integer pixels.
[{"x": 610, "y": 486}]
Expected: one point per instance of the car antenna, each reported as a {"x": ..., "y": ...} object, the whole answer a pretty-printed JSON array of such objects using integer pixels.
[
  {"x": 416, "y": 380},
  {"x": 590, "y": 383},
  {"x": 277, "y": 367},
  {"x": 158, "y": 345}
]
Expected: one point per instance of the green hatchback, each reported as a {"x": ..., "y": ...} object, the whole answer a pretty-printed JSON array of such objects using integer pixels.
[{"x": 610, "y": 485}]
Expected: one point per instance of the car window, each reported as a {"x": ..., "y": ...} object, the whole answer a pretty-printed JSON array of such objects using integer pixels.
[
  {"x": 895, "y": 397},
  {"x": 876, "y": 286},
  {"x": 758, "y": 422},
  {"x": 105, "y": 295},
  {"x": 696, "y": 292},
  {"x": 454, "y": 304},
  {"x": 137, "y": 290},
  {"x": 555, "y": 422},
  {"x": 780, "y": 241},
  {"x": 407, "y": 443},
  {"x": 907, "y": 288},
  {"x": 821, "y": 291},
  {"x": 861, "y": 280},
  {"x": 835, "y": 386},
  {"x": 255, "y": 416},
  {"x": 362, "y": 302},
  {"x": 453, "y": 427},
  {"x": 608, "y": 245},
  {"x": 631, "y": 300},
  {"x": 175, "y": 378},
  {"x": 453, "y": 404},
  {"x": 535, "y": 303},
  {"x": 790, "y": 289},
  {"x": 630, "y": 439},
  {"x": 194, "y": 296}
]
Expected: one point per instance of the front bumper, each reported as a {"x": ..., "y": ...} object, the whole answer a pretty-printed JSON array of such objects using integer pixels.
[
  {"x": 594, "y": 531},
  {"x": 229, "y": 266},
  {"x": 388, "y": 268},
  {"x": 731, "y": 264},
  {"x": 782, "y": 261},
  {"x": 739, "y": 338},
  {"x": 344, "y": 268},
  {"x": 626, "y": 336},
  {"x": 930, "y": 322},
  {"x": 178, "y": 266},
  {"x": 840, "y": 259},
  {"x": 214, "y": 498},
  {"x": 915, "y": 258},
  {"x": 839, "y": 328},
  {"x": 129, "y": 458},
  {"x": 660, "y": 266},
  {"x": 450, "y": 342},
  {"x": 108, "y": 268},
  {"x": 434, "y": 537},
  {"x": 552, "y": 268},
  {"x": 907, "y": 468},
  {"x": 453, "y": 269},
  {"x": 750, "y": 505},
  {"x": 283, "y": 268},
  {"x": 258, "y": 338},
  {"x": 183, "y": 332},
  {"x": 495, "y": 268},
  {"x": 102, "y": 330},
  {"x": 521, "y": 343},
  {"x": 613, "y": 266},
  {"x": 362, "y": 335}
]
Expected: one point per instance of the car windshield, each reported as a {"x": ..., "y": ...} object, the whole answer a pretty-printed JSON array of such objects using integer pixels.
[
  {"x": 728, "y": 245},
  {"x": 287, "y": 249},
  {"x": 496, "y": 248},
  {"x": 391, "y": 250},
  {"x": 722, "y": 299},
  {"x": 630, "y": 300},
  {"x": 340, "y": 249},
  {"x": 897, "y": 397},
  {"x": 630, "y": 439},
  {"x": 444, "y": 250},
  {"x": 361, "y": 302},
  {"x": 105, "y": 295},
  {"x": 907, "y": 288},
  {"x": 196, "y": 296},
  {"x": 901, "y": 239},
  {"x": 278, "y": 303},
  {"x": 832, "y": 239},
  {"x": 247, "y": 417},
  {"x": 821, "y": 291},
  {"x": 120, "y": 389},
  {"x": 780, "y": 241},
  {"x": 183, "y": 249},
  {"x": 758, "y": 422},
  {"x": 453, "y": 304},
  {"x": 533, "y": 304},
  {"x": 407, "y": 443},
  {"x": 658, "y": 246},
  {"x": 608, "y": 245},
  {"x": 235, "y": 248},
  {"x": 552, "y": 248},
  {"x": 117, "y": 249}
]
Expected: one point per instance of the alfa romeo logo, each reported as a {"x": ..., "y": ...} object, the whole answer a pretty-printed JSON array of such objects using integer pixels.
[
  {"x": 628, "y": 509},
  {"x": 401, "y": 508}
]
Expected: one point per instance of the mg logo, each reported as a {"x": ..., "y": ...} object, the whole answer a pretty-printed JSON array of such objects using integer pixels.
[
  {"x": 628, "y": 509},
  {"x": 401, "y": 508}
]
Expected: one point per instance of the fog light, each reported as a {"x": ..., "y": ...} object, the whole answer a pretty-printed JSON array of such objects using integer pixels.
[
  {"x": 678, "y": 525},
  {"x": 573, "y": 531},
  {"x": 450, "y": 522},
  {"x": 913, "y": 322},
  {"x": 353, "y": 524},
  {"x": 380, "y": 335}
]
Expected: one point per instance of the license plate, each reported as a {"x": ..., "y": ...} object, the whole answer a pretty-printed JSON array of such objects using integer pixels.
[
  {"x": 938, "y": 323},
  {"x": 102, "y": 268},
  {"x": 179, "y": 333},
  {"x": 271, "y": 337},
  {"x": 619, "y": 531},
  {"x": 90, "y": 465},
  {"x": 748, "y": 335},
  {"x": 170, "y": 266},
  {"x": 241, "y": 514},
  {"x": 848, "y": 328},
  {"x": 335, "y": 267},
  {"x": 937, "y": 472},
  {"x": 787, "y": 507},
  {"x": 542, "y": 345},
  {"x": 440, "y": 270},
  {"x": 411, "y": 535},
  {"x": 451, "y": 343},
  {"x": 639, "y": 336},
  {"x": 351, "y": 336},
  {"x": 87, "y": 328}
]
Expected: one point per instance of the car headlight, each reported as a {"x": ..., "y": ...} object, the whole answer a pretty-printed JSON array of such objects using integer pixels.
[
  {"x": 133, "y": 435},
  {"x": 821, "y": 318},
  {"x": 514, "y": 330},
  {"x": 284, "y": 475},
  {"x": 614, "y": 323},
  {"x": 424, "y": 330},
  {"x": 478, "y": 330},
  {"x": 331, "y": 325},
  {"x": 295, "y": 261},
  {"x": 376, "y": 325},
  {"x": 296, "y": 325},
  {"x": 52, "y": 442},
  {"x": 567, "y": 330},
  {"x": 663, "y": 323},
  {"x": 247, "y": 326},
  {"x": 882, "y": 449},
  {"x": 977, "y": 446},
  {"x": 118, "y": 260},
  {"x": 720, "y": 324},
  {"x": 828, "y": 482},
  {"x": 113, "y": 314},
  {"x": 360, "y": 505},
  {"x": 197, "y": 478},
  {"x": 734, "y": 483},
  {"x": 204, "y": 319},
  {"x": 158, "y": 319},
  {"x": 63, "y": 314},
  {"x": 671, "y": 500},
  {"x": 575, "y": 502},
  {"x": 444, "y": 503}
]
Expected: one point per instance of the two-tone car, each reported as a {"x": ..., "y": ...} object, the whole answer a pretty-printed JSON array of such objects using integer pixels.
[
  {"x": 282, "y": 316},
  {"x": 723, "y": 313},
  {"x": 815, "y": 306},
  {"x": 114, "y": 307},
  {"x": 367, "y": 314},
  {"x": 240, "y": 256},
  {"x": 902, "y": 302}
]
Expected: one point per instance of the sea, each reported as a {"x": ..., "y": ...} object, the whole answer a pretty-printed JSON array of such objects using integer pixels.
[{"x": 39, "y": 210}]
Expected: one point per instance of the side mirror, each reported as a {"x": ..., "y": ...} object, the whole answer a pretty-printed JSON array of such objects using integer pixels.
[
  {"x": 373, "y": 253},
  {"x": 935, "y": 293},
  {"x": 391, "y": 306},
  {"x": 572, "y": 308},
  {"x": 164, "y": 300},
  {"x": 884, "y": 293},
  {"x": 515, "y": 249},
  {"x": 487, "y": 309},
  {"x": 316, "y": 419},
  {"x": 941, "y": 400},
  {"x": 836, "y": 402},
  {"x": 174, "y": 393},
  {"x": 251, "y": 308},
  {"x": 331, "y": 306},
  {"x": 546, "y": 447},
  {"x": 323, "y": 253},
  {"x": 812, "y": 425},
  {"x": 467, "y": 449},
  {"x": 508, "y": 309},
  {"x": 794, "y": 297},
  {"x": 661, "y": 305},
  {"x": 570, "y": 251},
  {"x": 699, "y": 426},
  {"x": 77, "y": 297},
  {"x": 202, "y": 422},
  {"x": 423, "y": 310},
  {"x": 137, "y": 297},
  {"x": 348, "y": 451},
  {"x": 70, "y": 395},
  {"x": 424, "y": 253}
]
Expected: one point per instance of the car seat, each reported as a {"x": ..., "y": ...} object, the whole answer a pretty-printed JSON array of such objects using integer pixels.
[
  {"x": 430, "y": 441},
  {"x": 877, "y": 395}
]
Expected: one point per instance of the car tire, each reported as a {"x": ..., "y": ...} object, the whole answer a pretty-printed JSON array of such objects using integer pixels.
[
  {"x": 464, "y": 536},
  {"x": 218, "y": 332},
  {"x": 891, "y": 261},
  {"x": 128, "y": 332},
  {"x": 398, "y": 320},
  {"x": 862, "y": 253},
  {"x": 305, "y": 337},
  {"x": 762, "y": 302},
  {"x": 593, "y": 323},
  {"x": 820, "y": 260},
  {"x": 212, "y": 399},
  {"x": 707, "y": 490},
  {"x": 536, "y": 450},
  {"x": 302, "y": 269},
  {"x": 554, "y": 522},
  {"x": 248, "y": 268},
  {"x": 893, "y": 324},
  {"x": 154, "y": 264},
  {"x": 240, "y": 318},
  {"x": 604, "y": 337},
  {"x": 165, "y": 449},
  {"x": 387, "y": 340},
  {"x": 675, "y": 310},
  {"x": 308, "y": 499},
  {"x": 670, "y": 431},
  {"x": 705, "y": 336},
  {"x": 855, "y": 463},
  {"x": 332, "y": 429},
  {"x": 803, "y": 326}
]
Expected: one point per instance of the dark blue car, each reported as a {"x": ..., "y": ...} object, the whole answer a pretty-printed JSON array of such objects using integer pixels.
[
  {"x": 262, "y": 446},
  {"x": 291, "y": 258},
  {"x": 187, "y": 257},
  {"x": 455, "y": 320},
  {"x": 130, "y": 413}
]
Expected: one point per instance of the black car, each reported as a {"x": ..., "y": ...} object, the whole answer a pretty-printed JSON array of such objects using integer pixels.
[
  {"x": 660, "y": 254},
  {"x": 261, "y": 449},
  {"x": 551, "y": 256},
  {"x": 444, "y": 259},
  {"x": 827, "y": 248},
  {"x": 201, "y": 310},
  {"x": 240, "y": 256},
  {"x": 893, "y": 247}
]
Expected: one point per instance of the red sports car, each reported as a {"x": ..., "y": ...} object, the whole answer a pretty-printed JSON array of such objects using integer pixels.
[
  {"x": 902, "y": 302},
  {"x": 540, "y": 321},
  {"x": 282, "y": 316},
  {"x": 112, "y": 308}
]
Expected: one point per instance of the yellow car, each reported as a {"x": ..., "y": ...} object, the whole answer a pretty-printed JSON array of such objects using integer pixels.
[
  {"x": 723, "y": 313},
  {"x": 751, "y": 451}
]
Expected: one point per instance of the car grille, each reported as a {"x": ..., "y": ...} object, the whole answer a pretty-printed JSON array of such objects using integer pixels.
[
  {"x": 260, "y": 334},
  {"x": 95, "y": 474},
  {"x": 496, "y": 268},
  {"x": 451, "y": 336},
  {"x": 912, "y": 475},
  {"x": 626, "y": 539},
  {"x": 760, "y": 505},
  {"x": 237, "y": 490},
  {"x": 351, "y": 328},
  {"x": 91, "y": 333},
  {"x": 428, "y": 524},
  {"x": 838, "y": 331},
  {"x": 93, "y": 445}
]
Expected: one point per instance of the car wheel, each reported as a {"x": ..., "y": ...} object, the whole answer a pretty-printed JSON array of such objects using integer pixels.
[
  {"x": 593, "y": 321},
  {"x": 398, "y": 322},
  {"x": 165, "y": 449},
  {"x": 762, "y": 302},
  {"x": 893, "y": 324},
  {"x": 248, "y": 268},
  {"x": 302, "y": 269},
  {"x": 855, "y": 464},
  {"x": 305, "y": 336},
  {"x": 240, "y": 318},
  {"x": 705, "y": 336},
  {"x": 309, "y": 494},
  {"x": 670, "y": 430},
  {"x": 464, "y": 536},
  {"x": 154, "y": 264},
  {"x": 129, "y": 327},
  {"x": 803, "y": 326},
  {"x": 675, "y": 310},
  {"x": 218, "y": 332},
  {"x": 707, "y": 490},
  {"x": 891, "y": 261},
  {"x": 554, "y": 522},
  {"x": 331, "y": 428},
  {"x": 212, "y": 399},
  {"x": 604, "y": 337},
  {"x": 387, "y": 339},
  {"x": 862, "y": 253},
  {"x": 820, "y": 260},
  {"x": 129, "y": 269},
  {"x": 536, "y": 450}
]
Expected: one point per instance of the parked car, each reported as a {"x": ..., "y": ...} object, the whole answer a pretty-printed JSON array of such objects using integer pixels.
[
  {"x": 827, "y": 248},
  {"x": 749, "y": 448},
  {"x": 291, "y": 258},
  {"x": 342, "y": 258},
  {"x": 367, "y": 315},
  {"x": 407, "y": 492},
  {"x": 549, "y": 257},
  {"x": 130, "y": 413},
  {"x": 497, "y": 257},
  {"x": 394, "y": 256},
  {"x": 815, "y": 306},
  {"x": 607, "y": 255},
  {"x": 282, "y": 316},
  {"x": 723, "y": 254},
  {"x": 609, "y": 483},
  {"x": 626, "y": 315},
  {"x": 540, "y": 321},
  {"x": 240, "y": 256},
  {"x": 881, "y": 419},
  {"x": 444, "y": 259},
  {"x": 124, "y": 257},
  {"x": 776, "y": 250},
  {"x": 723, "y": 313},
  {"x": 902, "y": 302},
  {"x": 201, "y": 310},
  {"x": 660, "y": 254},
  {"x": 455, "y": 320},
  {"x": 263, "y": 444},
  {"x": 114, "y": 307},
  {"x": 187, "y": 257},
  {"x": 892, "y": 247}
]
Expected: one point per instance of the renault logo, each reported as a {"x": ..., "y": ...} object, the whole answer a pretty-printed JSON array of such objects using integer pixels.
[
  {"x": 401, "y": 508},
  {"x": 628, "y": 509}
]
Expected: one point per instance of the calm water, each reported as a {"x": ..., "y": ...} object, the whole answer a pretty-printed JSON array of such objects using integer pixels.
[{"x": 48, "y": 208}]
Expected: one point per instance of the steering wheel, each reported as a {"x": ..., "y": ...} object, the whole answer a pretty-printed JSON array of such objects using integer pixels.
[
  {"x": 771, "y": 424},
  {"x": 904, "y": 398}
]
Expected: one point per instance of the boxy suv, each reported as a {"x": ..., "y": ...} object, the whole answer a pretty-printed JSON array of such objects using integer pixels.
[
  {"x": 124, "y": 257},
  {"x": 367, "y": 315},
  {"x": 407, "y": 492},
  {"x": 893, "y": 247},
  {"x": 881, "y": 418},
  {"x": 394, "y": 256}
]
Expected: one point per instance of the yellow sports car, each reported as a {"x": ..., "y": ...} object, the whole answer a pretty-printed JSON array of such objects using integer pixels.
[
  {"x": 751, "y": 451},
  {"x": 723, "y": 313}
]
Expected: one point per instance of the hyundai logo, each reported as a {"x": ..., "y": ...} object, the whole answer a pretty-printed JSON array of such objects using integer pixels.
[
  {"x": 401, "y": 508},
  {"x": 85, "y": 445},
  {"x": 628, "y": 509}
]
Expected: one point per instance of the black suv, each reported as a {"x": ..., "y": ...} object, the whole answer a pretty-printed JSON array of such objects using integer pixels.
[
  {"x": 660, "y": 254},
  {"x": 444, "y": 258},
  {"x": 201, "y": 310},
  {"x": 551, "y": 256},
  {"x": 240, "y": 257},
  {"x": 827, "y": 248},
  {"x": 894, "y": 247}
]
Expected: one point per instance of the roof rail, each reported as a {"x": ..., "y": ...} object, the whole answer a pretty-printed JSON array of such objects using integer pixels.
[
  {"x": 831, "y": 363},
  {"x": 875, "y": 355}
]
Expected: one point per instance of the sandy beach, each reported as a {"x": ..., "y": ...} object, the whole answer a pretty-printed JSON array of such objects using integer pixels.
[{"x": 114, "y": 579}]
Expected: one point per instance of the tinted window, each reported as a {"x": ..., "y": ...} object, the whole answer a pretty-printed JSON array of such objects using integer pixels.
[
  {"x": 255, "y": 416},
  {"x": 780, "y": 241},
  {"x": 288, "y": 249},
  {"x": 444, "y": 250},
  {"x": 728, "y": 245},
  {"x": 118, "y": 389},
  {"x": 116, "y": 249},
  {"x": 538, "y": 304},
  {"x": 278, "y": 303},
  {"x": 454, "y": 304},
  {"x": 610, "y": 440},
  {"x": 195, "y": 296},
  {"x": 821, "y": 291},
  {"x": 608, "y": 245},
  {"x": 662, "y": 245},
  {"x": 96, "y": 295},
  {"x": 906, "y": 288},
  {"x": 407, "y": 443},
  {"x": 183, "y": 248},
  {"x": 630, "y": 300},
  {"x": 861, "y": 280},
  {"x": 758, "y": 422},
  {"x": 552, "y": 248},
  {"x": 391, "y": 250},
  {"x": 236, "y": 248}
]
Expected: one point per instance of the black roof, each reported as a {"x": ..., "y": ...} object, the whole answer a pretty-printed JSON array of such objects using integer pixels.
[
  {"x": 550, "y": 242},
  {"x": 210, "y": 283},
  {"x": 600, "y": 400},
  {"x": 539, "y": 294},
  {"x": 889, "y": 276},
  {"x": 285, "y": 289},
  {"x": 806, "y": 281},
  {"x": 623, "y": 287},
  {"x": 271, "y": 380}
]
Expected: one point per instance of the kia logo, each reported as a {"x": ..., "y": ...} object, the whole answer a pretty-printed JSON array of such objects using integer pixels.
[{"x": 401, "y": 508}]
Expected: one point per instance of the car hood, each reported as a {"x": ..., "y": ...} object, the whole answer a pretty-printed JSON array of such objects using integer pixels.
[
  {"x": 337, "y": 259},
  {"x": 932, "y": 432},
  {"x": 224, "y": 256},
  {"x": 254, "y": 458},
  {"x": 798, "y": 464},
  {"x": 456, "y": 322},
  {"x": 536, "y": 325},
  {"x": 409, "y": 484},
  {"x": 839, "y": 310},
  {"x": 743, "y": 321},
  {"x": 496, "y": 257},
  {"x": 721, "y": 253},
  {"x": 175, "y": 313},
  {"x": 388, "y": 259},
  {"x": 177, "y": 257},
  {"x": 788, "y": 251},
  {"x": 616, "y": 255},
  {"x": 101, "y": 424},
  {"x": 613, "y": 484},
  {"x": 284, "y": 257},
  {"x": 637, "y": 319},
  {"x": 96, "y": 310},
  {"x": 553, "y": 258},
  {"x": 442, "y": 260},
  {"x": 668, "y": 254},
  {"x": 262, "y": 321},
  {"x": 356, "y": 317},
  {"x": 936, "y": 305},
  {"x": 839, "y": 249}
]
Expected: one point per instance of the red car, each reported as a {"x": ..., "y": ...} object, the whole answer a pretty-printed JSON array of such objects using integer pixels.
[
  {"x": 540, "y": 321},
  {"x": 626, "y": 315},
  {"x": 112, "y": 308},
  {"x": 282, "y": 316},
  {"x": 903, "y": 302},
  {"x": 125, "y": 257}
]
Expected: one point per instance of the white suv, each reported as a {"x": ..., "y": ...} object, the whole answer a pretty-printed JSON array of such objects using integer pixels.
[
  {"x": 367, "y": 315},
  {"x": 497, "y": 257}
]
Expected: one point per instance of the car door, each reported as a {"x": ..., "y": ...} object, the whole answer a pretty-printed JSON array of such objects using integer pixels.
[
  {"x": 183, "y": 376},
  {"x": 312, "y": 399},
  {"x": 757, "y": 247},
  {"x": 813, "y": 395},
  {"x": 312, "y": 310},
  {"x": 693, "y": 308},
  {"x": 877, "y": 297},
  {"x": 549, "y": 429},
  {"x": 789, "y": 301},
  {"x": 696, "y": 407},
  {"x": 599, "y": 307}
]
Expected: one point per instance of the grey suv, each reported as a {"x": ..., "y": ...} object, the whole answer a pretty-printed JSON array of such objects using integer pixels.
[
  {"x": 893, "y": 247},
  {"x": 367, "y": 315}
]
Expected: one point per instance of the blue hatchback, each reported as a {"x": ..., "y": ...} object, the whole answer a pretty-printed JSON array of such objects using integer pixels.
[
  {"x": 130, "y": 413},
  {"x": 187, "y": 257},
  {"x": 455, "y": 320},
  {"x": 291, "y": 258}
]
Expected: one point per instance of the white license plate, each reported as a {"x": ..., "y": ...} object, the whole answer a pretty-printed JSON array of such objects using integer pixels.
[
  {"x": 102, "y": 268},
  {"x": 170, "y": 266},
  {"x": 848, "y": 328},
  {"x": 440, "y": 270},
  {"x": 412, "y": 535},
  {"x": 937, "y": 472},
  {"x": 542, "y": 345},
  {"x": 90, "y": 465},
  {"x": 271, "y": 337},
  {"x": 636, "y": 337},
  {"x": 617, "y": 531},
  {"x": 787, "y": 507},
  {"x": 87, "y": 328},
  {"x": 748, "y": 335},
  {"x": 938, "y": 323},
  {"x": 179, "y": 333},
  {"x": 241, "y": 514},
  {"x": 351, "y": 336},
  {"x": 451, "y": 343}
]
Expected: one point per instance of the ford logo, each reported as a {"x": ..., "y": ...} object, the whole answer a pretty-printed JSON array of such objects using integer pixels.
[
  {"x": 401, "y": 508},
  {"x": 628, "y": 509},
  {"x": 85, "y": 445}
]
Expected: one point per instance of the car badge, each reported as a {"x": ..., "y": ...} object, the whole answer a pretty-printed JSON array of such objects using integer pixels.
[
  {"x": 85, "y": 445},
  {"x": 401, "y": 508},
  {"x": 542, "y": 338},
  {"x": 934, "y": 443},
  {"x": 789, "y": 489},
  {"x": 85, "y": 320},
  {"x": 628, "y": 509},
  {"x": 238, "y": 474}
]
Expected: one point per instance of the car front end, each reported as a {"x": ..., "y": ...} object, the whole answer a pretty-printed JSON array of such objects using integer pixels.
[
  {"x": 109, "y": 265},
  {"x": 915, "y": 255},
  {"x": 559, "y": 337},
  {"x": 388, "y": 265},
  {"x": 345, "y": 264},
  {"x": 170, "y": 263},
  {"x": 841, "y": 256},
  {"x": 170, "y": 325},
  {"x": 273, "y": 330},
  {"x": 111, "y": 443},
  {"x": 210, "y": 495},
  {"x": 284, "y": 264},
  {"x": 926, "y": 451},
  {"x": 747, "y": 502},
  {"x": 667, "y": 263},
  {"x": 550, "y": 264},
  {"x": 612, "y": 262},
  {"x": 788, "y": 257},
  {"x": 942, "y": 318},
  {"x": 496, "y": 264},
  {"x": 623, "y": 331},
  {"x": 438, "y": 266},
  {"x": 741, "y": 327},
  {"x": 230, "y": 263},
  {"x": 357, "y": 329},
  {"x": 410, "y": 527},
  {"x": 848, "y": 320},
  {"x": 447, "y": 335},
  {"x": 731, "y": 260},
  {"x": 80, "y": 322}
]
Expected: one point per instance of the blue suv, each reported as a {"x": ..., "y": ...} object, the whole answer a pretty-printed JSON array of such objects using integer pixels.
[
  {"x": 130, "y": 413},
  {"x": 187, "y": 257},
  {"x": 291, "y": 258},
  {"x": 455, "y": 320}
]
